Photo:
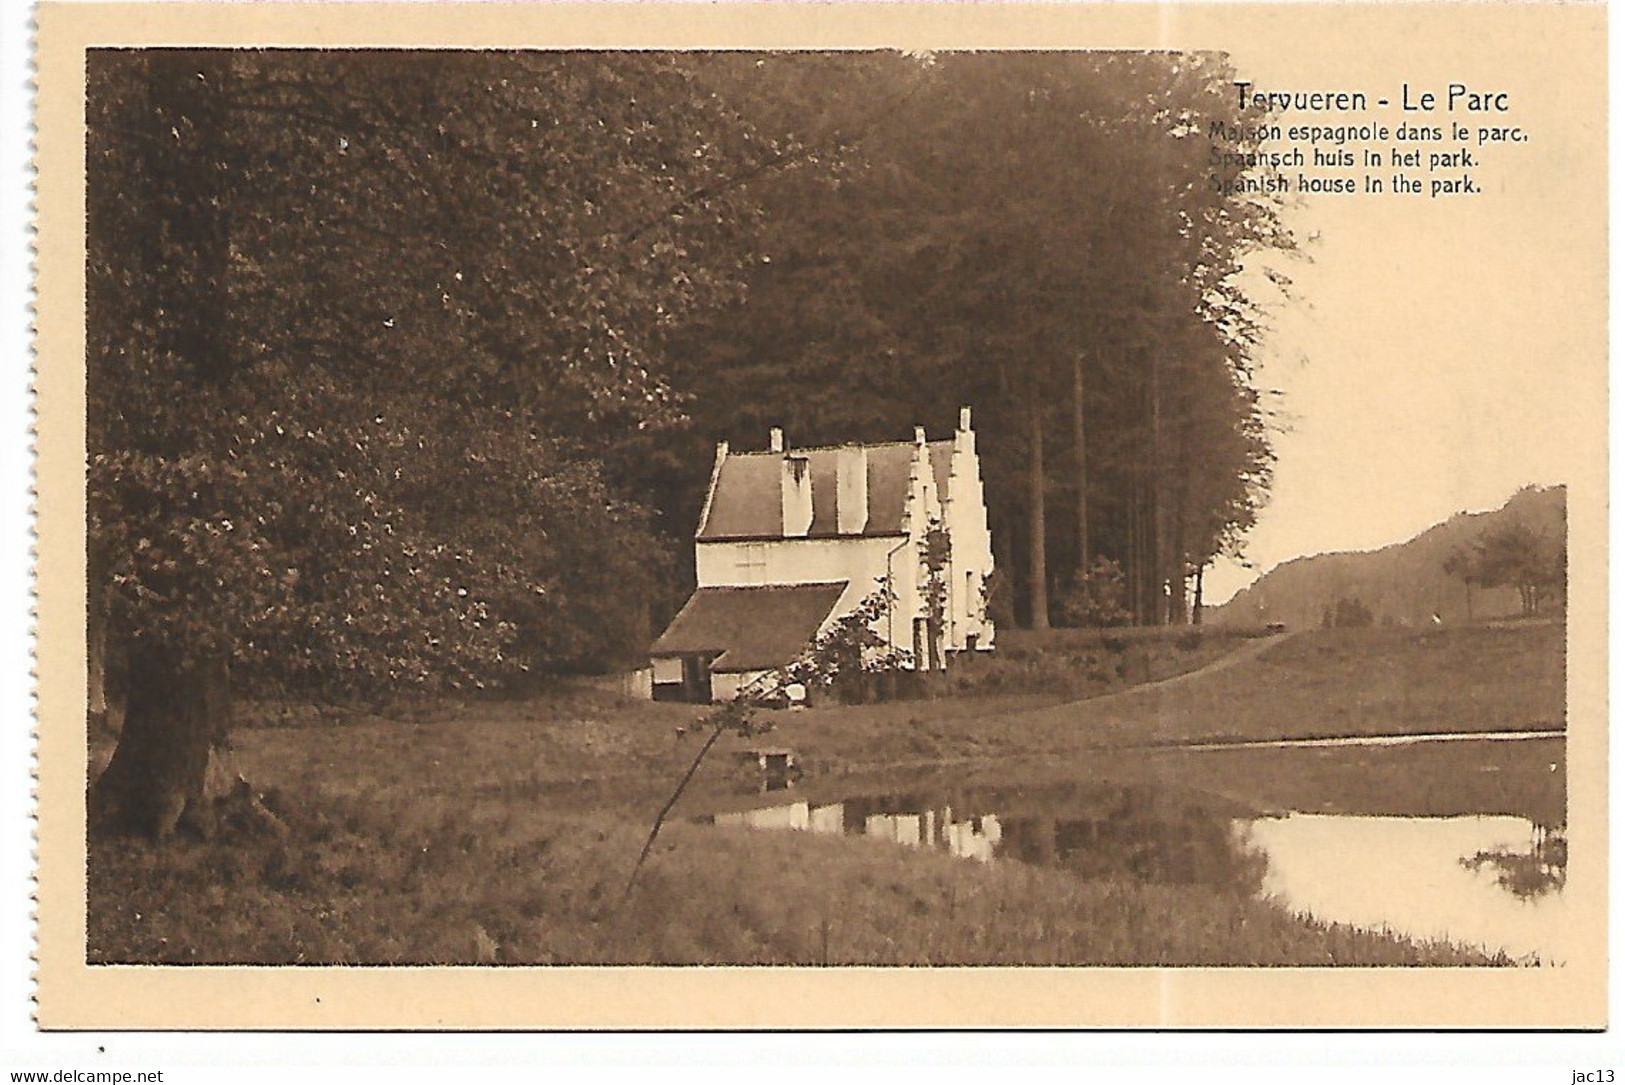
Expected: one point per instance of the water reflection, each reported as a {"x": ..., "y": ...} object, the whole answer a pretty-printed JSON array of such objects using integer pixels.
[
  {"x": 1144, "y": 834},
  {"x": 1492, "y": 882},
  {"x": 969, "y": 838},
  {"x": 1526, "y": 874},
  {"x": 1445, "y": 878}
]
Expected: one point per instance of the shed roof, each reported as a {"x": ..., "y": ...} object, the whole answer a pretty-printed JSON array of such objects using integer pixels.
[
  {"x": 745, "y": 503},
  {"x": 749, "y": 628}
]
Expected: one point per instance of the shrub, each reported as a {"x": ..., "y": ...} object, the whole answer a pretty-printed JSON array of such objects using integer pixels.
[
  {"x": 1346, "y": 613},
  {"x": 1097, "y": 597}
]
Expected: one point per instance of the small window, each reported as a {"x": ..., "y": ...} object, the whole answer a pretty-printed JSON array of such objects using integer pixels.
[{"x": 753, "y": 562}]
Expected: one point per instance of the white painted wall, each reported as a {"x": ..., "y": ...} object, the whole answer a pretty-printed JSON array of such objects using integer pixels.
[
  {"x": 971, "y": 563},
  {"x": 923, "y": 509},
  {"x": 726, "y": 685},
  {"x": 634, "y": 684},
  {"x": 865, "y": 562},
  {"x": 858, "y": 560}
]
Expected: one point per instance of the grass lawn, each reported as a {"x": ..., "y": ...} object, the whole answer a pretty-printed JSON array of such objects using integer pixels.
[
  {"x": 503, "y": 831},
  {"x": 498, "y": 884}
]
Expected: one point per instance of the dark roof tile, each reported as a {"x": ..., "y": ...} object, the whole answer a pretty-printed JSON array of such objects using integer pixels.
[
  {"x": 751, "y": 628},
  {"x": 746, "y": 503}
]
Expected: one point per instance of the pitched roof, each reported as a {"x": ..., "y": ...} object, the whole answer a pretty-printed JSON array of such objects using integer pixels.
[
  {"x": 753, "y": 628},
  {"x": 745, "y": 503}
]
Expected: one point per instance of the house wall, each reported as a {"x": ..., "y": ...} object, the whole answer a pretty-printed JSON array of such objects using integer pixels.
[
  {"x": 725, "y": 685},
  {"x": 971, "y": 563},
  {"x": 635, "y": 684},
  {"x": 858, "y": 560},
  {"x": 923, "y": 508},
  {"x": 866, "y": 562}
]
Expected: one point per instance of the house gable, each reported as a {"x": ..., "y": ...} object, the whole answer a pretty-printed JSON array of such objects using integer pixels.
[
  {"x": 791, "y": 539},
  {"x": 745, "y": 498}
]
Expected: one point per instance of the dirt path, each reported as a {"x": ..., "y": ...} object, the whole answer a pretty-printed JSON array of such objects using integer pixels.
[{"x": 1250, "y": 650}]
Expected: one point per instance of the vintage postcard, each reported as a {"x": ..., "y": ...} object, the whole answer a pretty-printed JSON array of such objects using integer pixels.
[{"x": 821, "y": 516}]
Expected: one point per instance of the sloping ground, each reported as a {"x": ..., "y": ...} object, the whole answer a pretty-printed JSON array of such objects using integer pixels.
[
  {"x": 1314, "y": 684},
  {"x": 1235, "y": 657},
  {"x": 1403, "y": 582},
  {"x": 588, "y": 750},
  {"x": 1346, "y": 682}
]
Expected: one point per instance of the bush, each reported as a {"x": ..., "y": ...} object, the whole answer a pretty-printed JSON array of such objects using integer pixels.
[
  {"x": 1346, "y": 613},
  {"x": 1095, "y": 598}
]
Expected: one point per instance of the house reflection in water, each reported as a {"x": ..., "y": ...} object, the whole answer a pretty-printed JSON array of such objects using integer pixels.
[
  {"x": 792, "y": 815},
  {"x": 1093, "y": 830},
  {"x": 1495, "y": 881},
  {"x": 967, "y": 837}
]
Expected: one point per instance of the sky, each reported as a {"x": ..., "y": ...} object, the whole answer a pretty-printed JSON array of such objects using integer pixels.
[{"x": 1439, "y": 353}]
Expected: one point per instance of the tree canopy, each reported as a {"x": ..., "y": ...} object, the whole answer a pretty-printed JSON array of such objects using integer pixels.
[
  {"x": 1036, "y": 234},
  {"x": 1517, "y": 555},
  {"x": 355, "y": 320},
  {"x": 402, "y": 365}
]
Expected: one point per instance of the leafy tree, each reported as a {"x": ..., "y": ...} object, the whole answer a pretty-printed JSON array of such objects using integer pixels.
[
  {"x": 385, "y": 348},
  {"x": 1516, "y": 555},
  {"x": 355, "y": 321},
  {"x": 1033, "y": 234},
  {"x": 1347, "y": 613},
  {"x": 1462, "y": 565},
  {"x": 1097, "y": 597}
]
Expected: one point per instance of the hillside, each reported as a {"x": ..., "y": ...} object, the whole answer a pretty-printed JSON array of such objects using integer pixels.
[{"x": 1405, "y": 582}]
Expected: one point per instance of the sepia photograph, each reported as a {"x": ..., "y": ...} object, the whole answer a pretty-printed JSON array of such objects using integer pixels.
[{"x": 899, "y": 510}]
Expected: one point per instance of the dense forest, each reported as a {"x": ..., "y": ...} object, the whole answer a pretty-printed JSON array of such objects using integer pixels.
[{"x": 404, "y": 368}]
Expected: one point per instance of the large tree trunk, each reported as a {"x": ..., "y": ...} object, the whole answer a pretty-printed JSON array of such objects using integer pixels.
[
  {"x": 1157, "y": 548},
  {"x": 1037, "y": 584},
  {"x": 189, "y": 244},
  {"x": 1136, "y": 552},
  {"x": 1177, "y": 602},
  {"x": 176, "y": 711},
  {"x": 1196, "y": 603},
  {"x": 95, "y": 641},
  {"x": 1080, "y": 453},
  {"x": 176, "y": 704}
]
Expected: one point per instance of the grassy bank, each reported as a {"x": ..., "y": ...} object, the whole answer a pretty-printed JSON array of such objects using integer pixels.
[
  {"x": 1317, "y": 683},
  {"x": 503, "y": 832},
  {"x": 1075, "y": 664},
  {"x": 495, "y": 885}
]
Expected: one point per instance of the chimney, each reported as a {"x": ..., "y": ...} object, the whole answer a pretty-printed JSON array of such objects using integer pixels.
[
  {"x": 851, "y": 489},
  {"x": 795, "y": 496},
  {"x": 919, "y": 435},
  {"x": 965, "y": 438},
  {"x": 775, "y": 440}
]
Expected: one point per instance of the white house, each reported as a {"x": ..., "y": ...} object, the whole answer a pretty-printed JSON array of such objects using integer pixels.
[{"x": 791, "y": 540}]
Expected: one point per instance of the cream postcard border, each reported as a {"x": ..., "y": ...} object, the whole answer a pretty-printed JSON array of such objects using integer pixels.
[{"x": 72, "y": 994}]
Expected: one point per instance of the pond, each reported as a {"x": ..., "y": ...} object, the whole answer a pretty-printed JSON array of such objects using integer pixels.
[{"x": 1490, "y": 881}]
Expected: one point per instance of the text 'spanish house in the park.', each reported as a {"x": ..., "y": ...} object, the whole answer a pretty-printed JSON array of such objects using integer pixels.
[{"x": 790, "y": 540}]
